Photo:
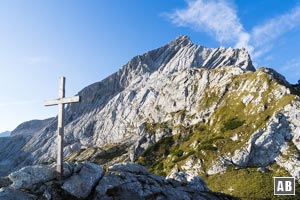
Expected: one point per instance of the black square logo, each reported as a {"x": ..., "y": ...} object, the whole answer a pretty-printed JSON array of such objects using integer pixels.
[{"x": 284, "y": 186}]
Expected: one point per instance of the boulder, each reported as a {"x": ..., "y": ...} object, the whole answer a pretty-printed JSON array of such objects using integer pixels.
[
  {"x": 68, "y": 168},
  {"x": 113, "y": 185},
  {"x": 194, "y": 182},
  {"x": 132, "y": 181},
  {"x": 11, "y": 194},
  {"x": 81, "y": 184},
  {"x": 27, "y": 177}
]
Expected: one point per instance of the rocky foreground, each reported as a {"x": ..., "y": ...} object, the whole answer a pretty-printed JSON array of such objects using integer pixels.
[{"x": 87, "y": 180}]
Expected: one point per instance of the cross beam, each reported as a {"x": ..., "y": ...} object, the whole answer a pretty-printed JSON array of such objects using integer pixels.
[{"x": 61, "y": 101}]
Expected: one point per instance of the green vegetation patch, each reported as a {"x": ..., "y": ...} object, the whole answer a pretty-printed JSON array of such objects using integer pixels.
[
  {"x": 98, "y": 155},
  {"x": 154, "y": 157},
  {"x": 208, "y": 99},
  {"x": 232, "y": 124},
  {"x": 151, "y": 128},
  {"x": 194, "y": 140},
  {"x": 249, "y": 183}
]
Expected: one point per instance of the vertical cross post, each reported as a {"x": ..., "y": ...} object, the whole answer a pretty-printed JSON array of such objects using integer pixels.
[
  {"x": 61, "y": 101},
  {"x": 60, "y": 128}
]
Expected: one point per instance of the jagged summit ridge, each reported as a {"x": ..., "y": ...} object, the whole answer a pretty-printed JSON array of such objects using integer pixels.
[
  {"x": 211, "y": 58},
  {"x": 183, "y": 53},
  {"x": 177, "y": 55}
]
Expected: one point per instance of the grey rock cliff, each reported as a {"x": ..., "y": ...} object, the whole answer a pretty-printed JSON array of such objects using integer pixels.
[
  {"x": 158, "y": 95},
  {"x": 112, "y": 111},
  {"x": 31, "y": 127}
]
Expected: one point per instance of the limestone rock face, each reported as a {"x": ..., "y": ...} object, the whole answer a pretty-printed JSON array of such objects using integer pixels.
[
  {"x": 264, "y": 145},
  {"x": 274, "y": 143},
  {"x": 114, "y": 109},
  {"x": 211, "y": 99},
  {"x": 218, "y": 166},
  {"x": 292, "y": 165},
  {"x": 11, "y": 154},
  {"x": 31, "y": 127}
]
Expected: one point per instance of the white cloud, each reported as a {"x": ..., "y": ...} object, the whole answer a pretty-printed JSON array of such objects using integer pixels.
[
  {"x": 219, "y": 19},
  {"x": 291, "y": 68},
  {"x": 205, "y": 15},
  {"x": 275, "y": 27},
  {"x": 261, "y": 50},
  {"x": 292, "y": 65}
]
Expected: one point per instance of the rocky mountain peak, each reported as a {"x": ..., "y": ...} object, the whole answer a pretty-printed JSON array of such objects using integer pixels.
[
  {"x": 180, "y": 107},
  {"x": 175, "y": 56},
  {"x": 181, "y": 40},
  {"x": 187, "y": 54}
]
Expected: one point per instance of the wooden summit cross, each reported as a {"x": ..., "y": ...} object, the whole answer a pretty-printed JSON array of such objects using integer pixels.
[{"x": 61, "y": 101}]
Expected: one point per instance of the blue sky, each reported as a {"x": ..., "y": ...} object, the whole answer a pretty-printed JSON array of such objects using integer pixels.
[{"x": 89, "y": 40}]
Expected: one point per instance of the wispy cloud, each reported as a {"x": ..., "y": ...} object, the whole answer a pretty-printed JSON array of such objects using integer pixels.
[
  {"x": 219, "y": 19},
  {"x": 263, "y": 35},
  {"x": 292, "y": 65},
  {"x": 292, "y": 68},
  {"x": 203, "y": 15},
  {"x": 275, "y": 27}
]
